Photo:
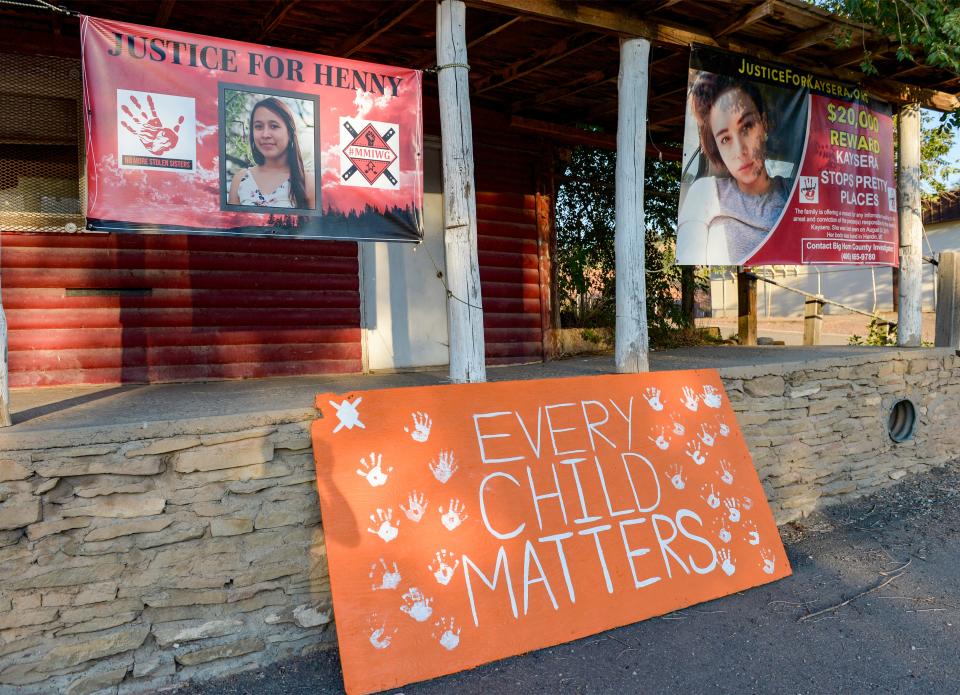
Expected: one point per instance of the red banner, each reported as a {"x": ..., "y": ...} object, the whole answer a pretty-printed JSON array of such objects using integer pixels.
[
  {"x": 193, "y": 134},
  {"x": 783, "y": 167}
]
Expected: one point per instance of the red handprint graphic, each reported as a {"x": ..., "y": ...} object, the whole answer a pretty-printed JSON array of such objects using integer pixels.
[{"x": 151, "y": 132}]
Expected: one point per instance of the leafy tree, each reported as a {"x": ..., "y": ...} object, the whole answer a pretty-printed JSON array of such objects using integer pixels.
[{"x": 937, "y": 169}]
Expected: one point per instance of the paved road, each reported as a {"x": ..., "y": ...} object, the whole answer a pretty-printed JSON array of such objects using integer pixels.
[{"x": 901, "y": 638}]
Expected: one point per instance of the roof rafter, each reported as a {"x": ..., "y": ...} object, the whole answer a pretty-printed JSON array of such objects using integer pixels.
[
  {"x": 386, "y": 20},
  {"x": 163, "y": 13},
  {"x": 752, "y": 16},
  {"x": 588, "y": 81},
  {"x": 273, "y": 18}
]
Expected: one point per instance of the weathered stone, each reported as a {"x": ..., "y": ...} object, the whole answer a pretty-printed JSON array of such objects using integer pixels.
[
  {"x": 23, "y": 602},
  {"x": 46, "y": 528},
  {"x": 93, "y": 647},
  {"x": 312, "y": 616},
  {"x": 225, "y": 508},
  {"x": 245, "y": 452},
  {"x": 79, "y": 615},
  {"x": 294, "y": 442},
  {"x": 59, "y": 599},
  {"x": 177, "y": 533},
  {"x": 897, "y": 475},
  {"x": 91, "y": 683},
  {"x": 185, "y": 597},
  {"x": 10, "y": 537},
  {"x": 126, "y": 528},
  {"x": 222, "y": 651},
  {"x": 163, "y": 446},
  {"x": 154, "y": 664},
  {"x": 108, "y": 487},
  {"x": 225, "y": 437},
  {"x": 46, "y": 486},
  {"x": 69, "y": 576},
  {"x": 12, "y": 469},
  {"x": 230, "y": 527},
  {"x": 802, "y": 390},
  {"x": 19, "y": 511},
  {"x": 61, "y": 468},
  {"x": 21, "y": 618},
  {"x": 771, "y": 385},
  {"x": 118, "y": 506},
  {"x": 190, "y": 630},
  {"x": 274, "y": 516},
  {"x": 99, "y": 624}
]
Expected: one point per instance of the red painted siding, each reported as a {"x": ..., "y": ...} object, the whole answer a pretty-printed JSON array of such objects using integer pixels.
[{"x": 181, "y": 308}]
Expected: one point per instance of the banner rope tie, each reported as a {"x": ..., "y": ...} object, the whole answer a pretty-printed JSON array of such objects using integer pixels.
[
  {"x": 442, "y": 278},
  {"x": 40, "y": 5},
  {"x": 437, "y": 68}
]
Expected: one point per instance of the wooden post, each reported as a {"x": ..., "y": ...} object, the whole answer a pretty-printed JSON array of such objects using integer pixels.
[
  {"x": 464, "y": 308},
  {"x": 5, "y": 420},
  {"x": 632, "y": 340},
  {"x": 812, "y": 321},
  {"x": 688, "y": 291},
  {"x": 747, "y": 308},
  {"x": 948, "y": 300},
  {"x": 545, "y": 263},
  {"x": 911, "y": 228}
]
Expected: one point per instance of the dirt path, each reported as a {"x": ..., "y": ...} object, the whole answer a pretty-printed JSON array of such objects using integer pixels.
[{"x": 900, "y": 638}]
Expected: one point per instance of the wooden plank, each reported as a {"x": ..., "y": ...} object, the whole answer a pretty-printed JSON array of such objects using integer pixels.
[
  {"x": 632, "y": 341},
  {"x": 588, "y": 81},
  {"x": 750, "y": 16},
  {"x": 464, "y": 305},
  {"x": 496, "y": 30},
  {"x": 812, "y": 38},
  {"x": 747, "y": 308},
  {"x": 274, "y": 17},
  {"x": 383, "y": 22},
  {"x": 911, "y": 228},
  {"x": 163, "y": 13}
]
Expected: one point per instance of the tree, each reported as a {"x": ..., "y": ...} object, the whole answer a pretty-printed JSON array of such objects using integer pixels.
[{"x": 937, "y": 170}]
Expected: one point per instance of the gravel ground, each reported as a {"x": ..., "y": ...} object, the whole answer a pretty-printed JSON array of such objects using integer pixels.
[{"x": 873, "y": 606}]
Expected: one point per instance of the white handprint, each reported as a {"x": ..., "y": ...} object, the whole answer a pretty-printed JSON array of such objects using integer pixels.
[
  {"x": 444, "y": 570},
  {"x": 725, "y": 535},
  {"x": 448, "y": 638},
  {"x": 378, "y": 637},
  {"x": 390, "y": 579},
  {"x": 753, "y": 536},
  {"x": 421, "y": 426},
  {"x": 747, "y": 503},
  {"x": 709, "y": 495},
  {"x": 726, "y": 562},
  {"x": 416, "y": 507},
  {"x": 733, "y": 510},
  {"x": 678, "y": 428},
  {"x": 769, "y": 561},
  {"x": 652, "y": 396},
  {"x": 372, "y": 470},
  {"x": 727, "y": 472},
  {"x": 445, "y": 469},
  {"x": 455, "y": 515},
  {"x": 690, "y": 399},
  {"x": 677, "y": 479},
  {"x": 416, "y": 605},
  {"x": 382, "y": 526},
  {"x": 693, "y": 451},
  {"x": 661, "y": 441},
  {"x": 705, "y": 435},
  {"x": 724, "y": 429},
  {"x": 711, "y": 397}
]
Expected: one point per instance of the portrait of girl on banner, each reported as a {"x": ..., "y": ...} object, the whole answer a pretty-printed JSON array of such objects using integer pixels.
[{"x": 742, "y": 151}]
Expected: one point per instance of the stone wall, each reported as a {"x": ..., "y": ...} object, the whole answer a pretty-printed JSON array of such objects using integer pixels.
[{"x": 135, "y": 558}]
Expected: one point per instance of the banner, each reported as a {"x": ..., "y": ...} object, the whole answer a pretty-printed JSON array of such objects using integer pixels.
[
  {"x": 193, "y": 134},
  {"x": 783, "y": 167},
  {"x": 467, "y": 523}
]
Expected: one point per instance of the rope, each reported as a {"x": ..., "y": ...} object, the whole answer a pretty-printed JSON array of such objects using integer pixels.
[
  {"x": 442, "y": 277},
  {"x": 437, "y": 68},
  {"x": 41, "y": 5}
]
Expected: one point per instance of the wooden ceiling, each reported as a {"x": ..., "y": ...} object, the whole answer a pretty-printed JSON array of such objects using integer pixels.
[{"x": 550, "y": 65}]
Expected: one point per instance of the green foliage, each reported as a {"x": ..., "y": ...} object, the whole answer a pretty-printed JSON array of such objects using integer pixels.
[
  {"x": 585, "y": 242},
  {"x": 880, "y": 333},
  {"x": 937, "y": 169}
]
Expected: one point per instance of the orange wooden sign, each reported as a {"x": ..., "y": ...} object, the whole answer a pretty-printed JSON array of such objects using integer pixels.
[{"x": 467, "y": 523}]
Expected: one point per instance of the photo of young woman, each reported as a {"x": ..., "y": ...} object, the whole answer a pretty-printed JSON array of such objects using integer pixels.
[{"x": 726, "y": 215}]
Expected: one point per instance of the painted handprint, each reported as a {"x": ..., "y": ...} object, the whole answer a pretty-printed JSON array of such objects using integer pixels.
[
  {"x": 443, "y": 469},
  {"x": 383, "y": 526},
  {"x": 678, "y": 428},
  {"x": 769, "y": 560},
  {"x": 416, "y": 605},
  {"x": 711, "y": 397},
  {"x": 455, "y": 515},
  {"x": 416, "y": 506},
  {"x": 449, "y": 633},
  {"x": 662, "y": 442},
  {"x": 726, "y": 562},
  {"x": 705, "y": 435},
  {"x": 389, "y": 578},
  {"x": 747, "y": 503},
  {"x": 443, "y": 570},
  {"x": 693, "y": 451},
  {"x": 421, "y": 427},
  {"x": 153, "y": 135},
  {"x": 690, "y": 399},
  {"x": 724, "y": 428},
  {"x": 677, "y": 479},
  {"x": 709, "y": 495},
  {"x": 753, "y": 535},
  {"x": 726, "y": 472},
  {"x": 724, "y": 534},
  {"x": 733, "y": 509},
  {"x": 373, "y": 471},
  {"x": 652, "y": 396},
  {"x": 380, "y": 638}
]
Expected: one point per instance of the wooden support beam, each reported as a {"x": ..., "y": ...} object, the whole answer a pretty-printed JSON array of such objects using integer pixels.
[
  {"x": 537, "y": 61},
  {"x": 662, "y": 5},
  {"x": 163, "y": 13},
  {"x": 948, "y": 300},
  {"x": 576, "y": 136},
  {"x": 386, "y": 20},
  {"x": 622, "y": 23},
  {"x": 632, "y": 337},
  {"x": 273, "y": 18},
  {"x": 746, "y": 308},
  {"x": 464, "y": 303},
  {"x": 496, "y": 30},
  {"x": 812, "y": 38},
  {"x": 911, "y": 227},
  {"x": 812, "y": 321},
  {"x": 592, "y": 79},
  {"x": 751, "y": 16}
]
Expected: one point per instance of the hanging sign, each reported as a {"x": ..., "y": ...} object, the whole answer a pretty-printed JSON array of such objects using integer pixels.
[
  {"x": 193, "y": 134},
  {"x": 467, "y": 523},
  {"x": 783, "y": 167}
]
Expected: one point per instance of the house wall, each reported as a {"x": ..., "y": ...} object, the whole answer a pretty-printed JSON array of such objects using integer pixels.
[{"x": 137, "y": 557}]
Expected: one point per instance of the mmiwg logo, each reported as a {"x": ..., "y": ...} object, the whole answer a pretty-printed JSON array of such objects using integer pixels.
[{"x": 156, "y": 131}]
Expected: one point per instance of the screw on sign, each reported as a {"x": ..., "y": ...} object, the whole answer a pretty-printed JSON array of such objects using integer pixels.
[
  {"x": 151, "y": 132},
  {"x": 369, "y": 153}
]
